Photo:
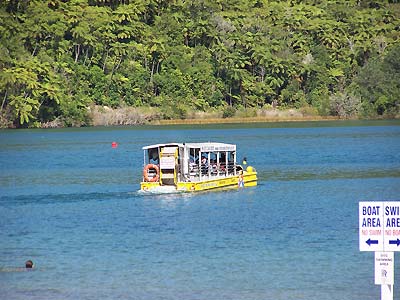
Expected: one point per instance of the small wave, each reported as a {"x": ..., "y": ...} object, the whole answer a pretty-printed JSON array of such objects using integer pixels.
[
  {"x": 323, "y": 174},
  {"x": 160, "y": 190},
  {"x": 63, "y": 197},
  {"x": 15, "y": 269}
]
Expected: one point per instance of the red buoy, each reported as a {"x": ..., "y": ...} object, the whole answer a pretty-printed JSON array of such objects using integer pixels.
[{"x": 114, "y": 145}]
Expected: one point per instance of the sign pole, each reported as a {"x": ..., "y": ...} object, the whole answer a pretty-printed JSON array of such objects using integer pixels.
[
  {"x": 386, "y": 292},
  {"x": 384, "y": 273}
]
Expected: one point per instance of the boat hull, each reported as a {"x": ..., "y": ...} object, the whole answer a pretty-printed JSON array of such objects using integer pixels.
[{"x": 247, "y": 179}]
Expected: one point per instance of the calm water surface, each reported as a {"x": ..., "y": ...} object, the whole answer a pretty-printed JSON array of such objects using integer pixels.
[{"x": 69, "y": 202}]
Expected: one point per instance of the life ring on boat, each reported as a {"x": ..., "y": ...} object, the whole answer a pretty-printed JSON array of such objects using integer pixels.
[{"x": 146, "y": 173}]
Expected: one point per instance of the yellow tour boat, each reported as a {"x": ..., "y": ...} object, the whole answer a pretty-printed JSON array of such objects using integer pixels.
[{"x": 190, "y": 167}]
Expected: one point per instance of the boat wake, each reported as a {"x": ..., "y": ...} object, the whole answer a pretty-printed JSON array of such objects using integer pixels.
[{"x": 161, "y": 190}]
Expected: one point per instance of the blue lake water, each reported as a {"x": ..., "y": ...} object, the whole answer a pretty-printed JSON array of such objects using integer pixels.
[{"x": 69, "y": 202}]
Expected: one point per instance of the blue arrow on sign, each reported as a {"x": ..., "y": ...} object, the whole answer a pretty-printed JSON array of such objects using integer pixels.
[
  {"x": 395, "y": 242},
  {"x": 372, "y": 242}
]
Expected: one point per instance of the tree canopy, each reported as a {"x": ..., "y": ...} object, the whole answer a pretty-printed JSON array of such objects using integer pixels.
[{"x": 58, "y": 57}]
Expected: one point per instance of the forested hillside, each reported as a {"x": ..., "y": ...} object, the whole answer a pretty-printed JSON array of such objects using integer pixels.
[{"x": 58, "y": 58}]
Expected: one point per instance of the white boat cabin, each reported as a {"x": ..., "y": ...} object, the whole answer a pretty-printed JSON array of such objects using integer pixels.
[{"x": 189, "y": 162}]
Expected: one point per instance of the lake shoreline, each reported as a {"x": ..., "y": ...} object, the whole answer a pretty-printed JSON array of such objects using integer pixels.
[
  {"x": 247, "y": 120},
  {"x": 106, "y": 116},
  {"x": 128, "y": 116},
  {"x": 228, "y": 121}
]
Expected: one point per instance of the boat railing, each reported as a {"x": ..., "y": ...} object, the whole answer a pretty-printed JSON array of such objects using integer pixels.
[
  {"x": 210, "y": 170},
  {"x": 218, "y": 169}
]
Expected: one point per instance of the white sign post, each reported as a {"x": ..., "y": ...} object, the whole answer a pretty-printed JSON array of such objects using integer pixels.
[{"x": 379, "y": 231}]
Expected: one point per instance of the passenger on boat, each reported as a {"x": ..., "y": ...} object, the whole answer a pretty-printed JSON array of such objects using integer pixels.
[
  {"x": 204, "y": 165},
  {"x": 222, "y": 162},
  {"x": 193, "y": 167},
  {"x": 153, "y": 155}
]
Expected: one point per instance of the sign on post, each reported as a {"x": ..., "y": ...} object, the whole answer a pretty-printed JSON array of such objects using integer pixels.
[
  {"x": 371, "y": 226},
  {"x": 392, "y": 226},
  {"x": 379, "y": 226},
  {"x": 379, "y": 231},
  {"x": 384, "y": 268}
]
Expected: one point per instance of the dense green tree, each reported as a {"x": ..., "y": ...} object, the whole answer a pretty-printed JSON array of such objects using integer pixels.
[
  {"x": 378, "y": 84},
  {"x": 58, "y": 58}
]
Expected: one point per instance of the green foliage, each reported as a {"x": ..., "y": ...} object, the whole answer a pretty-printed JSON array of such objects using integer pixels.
[
  {"x": 378, "y": 84},
  {"x": 319, "y": 98},
  {"x": 243, "y": 112},
  {"x": 228, "y": 112},
  {"x": 171, "y": 108},
  {"x": 59, "y": 57},
  {"x": 74, "y": 113},
  {"x": 345, "y": 105}
]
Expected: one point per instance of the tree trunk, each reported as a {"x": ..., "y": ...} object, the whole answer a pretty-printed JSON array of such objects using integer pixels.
[
  {"x": 152, "y": 71},
  {"x": 77, "y": 51},
  {"x": 262, "y": 74},
  {"x": 242, "y": 94},
  {"x": 105, "y": 60},
  {"x": 86, "y": 56},
  {"x": 158, "y": 67},
  {"x": 230, "y": 96},
  {"x": 4, "y": 101},
  {"x": 34, "y": 50},
  {"x": 118, "y": 64}
]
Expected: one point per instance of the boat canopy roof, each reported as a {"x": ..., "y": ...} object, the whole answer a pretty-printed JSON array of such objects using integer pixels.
[
  {"x": 162, "y": 145},
  {"x": 212, "y": 147},
  {"x": 204, "y": 147}
]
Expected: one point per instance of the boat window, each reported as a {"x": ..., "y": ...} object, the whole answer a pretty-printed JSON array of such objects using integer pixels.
[
  {"x": 194, "y": 155},
  {"x": 213, "y": 158},
  {"x": 231, "y": 161},
  {"x": 153, "y": 155}
]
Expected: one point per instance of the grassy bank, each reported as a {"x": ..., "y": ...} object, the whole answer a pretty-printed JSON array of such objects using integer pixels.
[
  {"x": 105, "y": 116},
  {"x": 130, "y": 116},
  {"x": 235, "y": 120}
]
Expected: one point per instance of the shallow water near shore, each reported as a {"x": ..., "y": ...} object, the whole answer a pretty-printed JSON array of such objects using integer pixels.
[{"x": 70, "y": 202}]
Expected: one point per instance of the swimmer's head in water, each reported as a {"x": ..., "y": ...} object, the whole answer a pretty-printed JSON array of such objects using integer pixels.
[{"x": 29, "y": 264}]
